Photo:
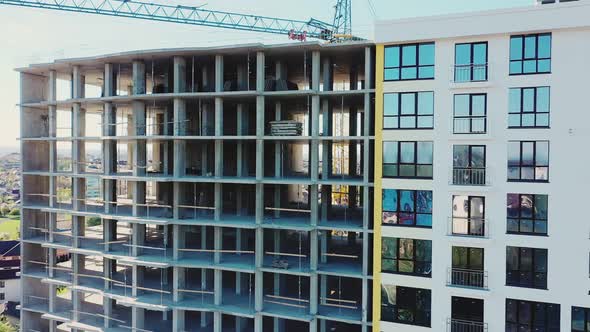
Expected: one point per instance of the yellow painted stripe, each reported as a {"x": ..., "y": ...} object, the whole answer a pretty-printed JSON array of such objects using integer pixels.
[{"x": 379, "y": 52}]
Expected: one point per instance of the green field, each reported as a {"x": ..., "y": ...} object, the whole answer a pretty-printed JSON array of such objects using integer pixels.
[{"x": 11, "y": 227}]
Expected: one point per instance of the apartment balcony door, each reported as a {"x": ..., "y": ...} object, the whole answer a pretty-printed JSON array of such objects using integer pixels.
[
  {"x": 469, "y": 164},
  {"x": 468, "y": 267},
  {"x": 466, "y": 315},
  {"x": 468, "y": 216}
]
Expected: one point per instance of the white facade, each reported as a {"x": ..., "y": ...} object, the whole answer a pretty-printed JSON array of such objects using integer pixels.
[
  {"x": 567, "y": 240},
  {"x": 11, "y": 290}
]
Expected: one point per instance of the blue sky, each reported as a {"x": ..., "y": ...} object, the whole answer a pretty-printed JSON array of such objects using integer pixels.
[{"x": 32, "y": 35}]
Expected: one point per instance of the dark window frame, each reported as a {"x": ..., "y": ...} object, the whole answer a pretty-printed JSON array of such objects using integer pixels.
[
  {"x": 416, "y": 115},
  {"x": 401, "y": 65},
  {"x": 414, "y": 261},
  {"x": 533, "y": 274},
  {"x": 471, "y": 117},
  {"x": 520, "y": 165},
  {"x": 415, "y": 163},
  {"x": 531, "y": 324},
  {"x": 586, "y": 312},
  {"x": 471, "y": 65},
  {"x": 533, "y": 220},
  {"x": 521, "y": 113},
  {"x": 401, "y": 214},
  {"x": 398, "y": 310},
  {"x": 536, "y": 58}
]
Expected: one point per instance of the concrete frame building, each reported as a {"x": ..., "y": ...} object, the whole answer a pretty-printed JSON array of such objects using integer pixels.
[
  {"x": 481, "y": 123},
  {"x": 157, "y": 195}
]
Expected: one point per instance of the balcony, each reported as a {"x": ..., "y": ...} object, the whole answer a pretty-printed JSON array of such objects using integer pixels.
[
  {"x": 471, "y": 227},
  {"x": 458, "y": 325},
  {"x": 470, "y": 176},
  {"x": 467, "y": 278},
  {"x": 469, "y": 73},
  {"x": 470, "y": 125}
]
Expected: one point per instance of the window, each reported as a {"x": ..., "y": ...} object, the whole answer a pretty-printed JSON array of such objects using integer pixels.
[
  {"x": 471, "y": 62},
  {"x": 527, "y": 214},
  {"x": 526, "y": 267},
  {"x": 409, "y": 62},
  {"x": 407, "y": 159},
  {"x": 407, "y": 207},
  {"x": 469, "y": 113},
  {"x": 530, "y": 54},
  {"x": 2, "y": 296},
  {"x": 580, "y": 319},
  {"x": 531, "y": 316},
  {"x": 466, "y": 313},
  {"x": 468, "y": 267},
  {"x": 2, "y": 284},
  {"x": 469, "y": 164},
  {"x": 409, "y": 110},
  {"x": 468, "y": 215},
  {"x": 405, "y": 305},
  {"x": 529, "y": 108},
  {"x": 407, "y": 256},
  {"x": 528, "y": 161}
]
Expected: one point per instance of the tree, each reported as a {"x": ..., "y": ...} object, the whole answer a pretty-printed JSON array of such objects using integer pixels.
[{"x": 5, "y": 325}]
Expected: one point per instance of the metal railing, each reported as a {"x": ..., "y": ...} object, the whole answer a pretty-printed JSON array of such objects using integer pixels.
[
  {"x": 467, "y": 278},
  {"x": 470, "y": 176},
  {"x": 462, "y": 226},
  {"x": 469, "y": 73},
  {"x": 470, "y": 125},
  {"x": 458, "y": 325}
]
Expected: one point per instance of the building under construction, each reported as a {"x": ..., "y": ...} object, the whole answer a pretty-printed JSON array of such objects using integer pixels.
[{"x": 201, "y": 189}]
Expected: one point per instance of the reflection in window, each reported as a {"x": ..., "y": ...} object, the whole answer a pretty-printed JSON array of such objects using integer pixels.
[
  {"x": 407, "y": 207},
  {"x": 405, "y": 305},
  {"x": 580, "y": 319},
  {"x": 469, "y": 113},
  {"x": 530, "y": 54},
  {"x": 526, "y": 267},
  {"x": 468, "y": 215},
  {"x": 406, "y": 256},
  {"x": 529, "y": 107},
  {"x": 527, "y": 214},
  {"x": 409, "y": 110},
  {"x": 407, "y": 159},
  {"x": 532, "y": 316},
  {"x": 409, "y": 62},
  {"x": 528, "y": 161},
  {"x": 471, "y": 62}
]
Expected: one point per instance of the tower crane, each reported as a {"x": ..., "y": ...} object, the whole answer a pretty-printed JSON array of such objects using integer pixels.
[{"x": 338, "y": 31}]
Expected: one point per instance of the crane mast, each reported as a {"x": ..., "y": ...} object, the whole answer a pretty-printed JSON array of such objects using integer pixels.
[{"x": 339, "y": 30}]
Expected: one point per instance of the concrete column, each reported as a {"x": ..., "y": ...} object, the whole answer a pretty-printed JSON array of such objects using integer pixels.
[
  {"x": 178, "y": 319},
  {"x": 138, "y": 239},
  {"x": 327, "y": 125},
  {"x": 178, "y": 282},
  {"x": 218, "y": 132},
  {"x": 179, "y": 74},
  {"x": 109, "y": 80},
  {"x": 138, "y": 77},
  {"x": 77, "y": 83},
  {"x": 179, "y": 144},
  {"x": 108, "y": 311},
  {"x": 315, "y": 70},
  {"x": 137, "y": 318},
  {"x": 260, "y": 63},
  {"x": 219, "y": 73},
  {"x": 52, "y": 86}
]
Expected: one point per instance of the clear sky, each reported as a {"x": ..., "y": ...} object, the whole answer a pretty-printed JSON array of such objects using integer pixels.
[{"x": 33, "y": 35}]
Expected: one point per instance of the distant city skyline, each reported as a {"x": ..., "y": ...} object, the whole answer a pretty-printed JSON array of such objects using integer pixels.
[{"x": 37, "y": 36}]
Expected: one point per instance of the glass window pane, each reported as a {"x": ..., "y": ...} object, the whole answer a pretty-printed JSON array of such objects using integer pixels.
[
  {"x": 392, "y": 56},
  {"x": 578, "y": 319},
  {"x": 426, "y": 103},
  {"x": 390, "y": 122},
  {"x": 530, "y": 47},
  {"x": 389, "y": 247},
  {"x": 407, "y": 122},
  {"x": 462, "y": 54},
  {"x": 424, "y": 152},
  {"x": 514, "y": 100},
  {"x": 390, "y": 104},
  {"x": 390, "y": 170},
  {"x": 515, "y": 67},
  {"x": 542, "y": 153},
  {"x": 406, "y": 248},
  {"x": 426, "y": 54},
  {"x": 407, "y": 200},
  {"x": 460, "y": 155},
  {"x": 390, "y": 152},
  {"x": 408, "y": 101},
  {"x": 426, "y": 121},
  {"x": 529, "y": 66},
  {"x": 409, "y": 55},
  {"x": 528, "y": 100},
  {"x": 409, "y": 73},
  {"x": 542, "y": 120},
  {"x": 512, "y": 205},
  {"x": 543, "y": 99},
  {"x": 526, "y": 206},
  {"x": 407, "y": 155},
  {"x": 424, "y": 171},
  {"x": 528, "y": 153},
  {"x": 391, "y": 74},
  {"x": 544, "y": 46},
  {"x": 407, "y": 170},
  {"x": 424, "y": 201},
  {"x": 424, "y": 220},
  {"x": 389, "y": 200},
  {"x": 513, "y": 153},
  {"x": 478, "y": 105},
  {"x": 544, "y": 66},
  {"x": 480, "y": 54},
  {"x": 514, "y": 120},
  {"x": 461, "y": 105},
  {"x": 426, "y": 72},
  {"x": 541, "y": 206},
  {"x": 528, "y": 119},
  {"x": 515, "y": 48}
]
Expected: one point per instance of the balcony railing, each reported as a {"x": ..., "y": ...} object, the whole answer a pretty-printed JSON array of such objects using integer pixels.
[
  {"x": 458, "y": 325},
  {"x": 470, "y": 176},
  {"x": 470, "y": 73},
  {"x": 475, "y": 227},
  {"x": 467, "y": 278},
  {"x": 470, "y": 125}
]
